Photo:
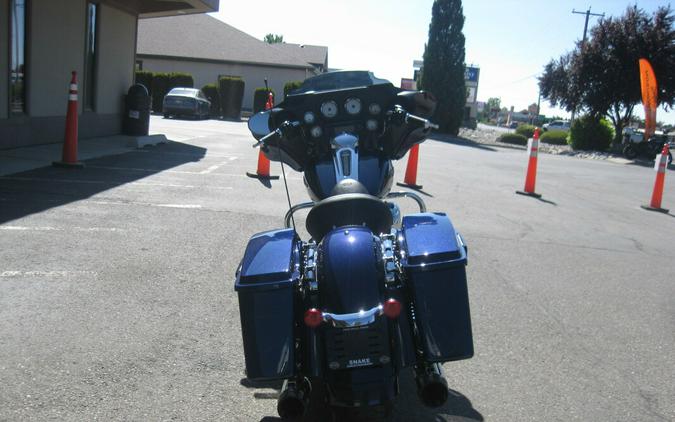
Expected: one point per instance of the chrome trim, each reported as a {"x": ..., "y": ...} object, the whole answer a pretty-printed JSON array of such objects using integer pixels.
[
  {"x": 345, "y": 143},
  {"x": 415, "y": 197},
  {"x": 297, "y": 207},
  {"x": 356, "y": 319}
]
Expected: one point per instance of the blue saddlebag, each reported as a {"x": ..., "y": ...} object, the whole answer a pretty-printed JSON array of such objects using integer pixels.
[
  {"x": 434, "y": 261},
  {"x": 265, "y": 281}
]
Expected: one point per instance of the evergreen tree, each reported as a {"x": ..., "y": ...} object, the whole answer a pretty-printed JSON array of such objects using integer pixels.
[{"x": 443, "y": 71}]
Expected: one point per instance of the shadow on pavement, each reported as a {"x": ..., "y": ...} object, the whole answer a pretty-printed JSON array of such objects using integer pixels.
[
  {"x": 456, "y": 140},
  {"x": 407, "y": 406},
  {"x": 34, "y": 191}
]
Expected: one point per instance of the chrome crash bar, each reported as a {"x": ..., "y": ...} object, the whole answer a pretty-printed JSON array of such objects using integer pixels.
[
  {"x": 400, "y": 194},
  {"x": 356, "y": 319},
  {"x": 415, "y": 197},
  {"x": 289, "y": 214}
]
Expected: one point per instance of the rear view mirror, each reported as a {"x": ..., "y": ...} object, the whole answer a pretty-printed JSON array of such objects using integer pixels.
[{"x": 259, "y": 124}]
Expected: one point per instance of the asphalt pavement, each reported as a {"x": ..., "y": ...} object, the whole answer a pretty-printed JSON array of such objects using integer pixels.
[{"x": 117, "y": 300}]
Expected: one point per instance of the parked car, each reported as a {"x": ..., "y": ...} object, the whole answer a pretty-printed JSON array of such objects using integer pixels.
[
  {"x": 563, "y": 125},
  {"x": 186, "y": 102}
]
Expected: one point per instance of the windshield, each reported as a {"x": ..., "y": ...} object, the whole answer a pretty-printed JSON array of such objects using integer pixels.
[
  {"x": 184, "y": 91},
  {"x": 339, "y": 80}
]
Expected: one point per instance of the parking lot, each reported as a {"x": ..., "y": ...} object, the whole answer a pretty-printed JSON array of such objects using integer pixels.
[{"x": 117, "y": 301}]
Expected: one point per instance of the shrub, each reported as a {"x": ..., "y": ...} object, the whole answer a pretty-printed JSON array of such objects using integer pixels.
[
  {"x": 290, "y": 86},
  {"x": 525, "y": 130},
  {"x": 211, "y": 92},
  {"x": 556, "y": 137},
  {"x": 591, "y": 133},
  {"x": 144, "y": 78},
  {"x": 260, "y": 99},
  {"x": 160, "y": 87},
  {"x": 231, "y": 93},
  {"x": 512, "y": 138},
  {"x": 181, "y": 79}
]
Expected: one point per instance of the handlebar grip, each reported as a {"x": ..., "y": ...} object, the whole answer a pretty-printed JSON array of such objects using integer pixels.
[{"x": 266, "y": 137}]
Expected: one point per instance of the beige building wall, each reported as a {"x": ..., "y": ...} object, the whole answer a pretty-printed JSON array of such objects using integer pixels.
[
  {"x": 4, "y": 58},
  {"x": 207, "y": 72},
  {"x": 117, "y": 42},
  {"x": 56, "y": 47}
]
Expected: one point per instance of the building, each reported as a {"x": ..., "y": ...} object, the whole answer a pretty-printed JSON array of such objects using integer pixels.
[
  {"x": 42, "y": 41},
  {"x": 208, "y": 48}
]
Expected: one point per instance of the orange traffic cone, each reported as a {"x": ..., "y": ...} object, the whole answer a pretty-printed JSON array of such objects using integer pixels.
[
  {"x": 263, "y": 170},
  {"x": 531, "y": 178},
  {"x": 69, "y": 156},
  {"x": 410, "y": 180},
  {"x": 657, "y": 193}
]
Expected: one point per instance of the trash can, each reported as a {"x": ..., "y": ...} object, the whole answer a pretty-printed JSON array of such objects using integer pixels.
[{"x": 136, "y": 120}]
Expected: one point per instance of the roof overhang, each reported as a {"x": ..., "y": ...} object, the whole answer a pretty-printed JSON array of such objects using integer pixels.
[{"x": 157, "y": 8}]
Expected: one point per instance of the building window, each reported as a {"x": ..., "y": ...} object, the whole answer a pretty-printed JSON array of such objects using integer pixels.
[
  {"x": 17, "y": 53},
  {"x": 139, "y": 65},
  {"x": 90, "y": 57}
]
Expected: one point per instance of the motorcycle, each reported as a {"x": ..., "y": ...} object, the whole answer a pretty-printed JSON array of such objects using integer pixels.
[
  {"x": 649, "y": 149},
  {"x": 371, "y": 293}
]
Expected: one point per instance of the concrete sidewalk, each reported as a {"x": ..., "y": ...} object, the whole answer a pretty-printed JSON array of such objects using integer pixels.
[{"x": 28, "y": 158}]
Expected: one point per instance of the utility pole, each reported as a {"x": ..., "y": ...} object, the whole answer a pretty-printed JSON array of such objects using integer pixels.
[{"x": 583, "y": 41}]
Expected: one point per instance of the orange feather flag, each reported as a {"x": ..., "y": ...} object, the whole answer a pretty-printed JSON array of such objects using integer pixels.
[{"x": 649, "y": 96}]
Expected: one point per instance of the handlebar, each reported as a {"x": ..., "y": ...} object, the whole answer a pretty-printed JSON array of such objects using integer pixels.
[
  {"x": 278, "y": 131},
  {"x": 399, "y": 112}
]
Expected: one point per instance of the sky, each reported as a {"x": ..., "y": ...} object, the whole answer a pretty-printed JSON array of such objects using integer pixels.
[{"x": 510, "y": 40}]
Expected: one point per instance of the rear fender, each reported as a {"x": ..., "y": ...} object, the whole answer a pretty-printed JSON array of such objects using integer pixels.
[{"x": 350, "y": 270}]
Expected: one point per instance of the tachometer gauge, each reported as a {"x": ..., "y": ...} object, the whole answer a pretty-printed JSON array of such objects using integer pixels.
[
  {"x": 374, "y": 108},
  {"x": 329, "y": 109},
  {"x": 309, "y": 117},
  {"x": 353, "y": 105}
]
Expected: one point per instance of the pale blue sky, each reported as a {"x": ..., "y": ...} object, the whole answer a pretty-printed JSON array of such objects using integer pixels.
[{"x": 510, "y": 40}]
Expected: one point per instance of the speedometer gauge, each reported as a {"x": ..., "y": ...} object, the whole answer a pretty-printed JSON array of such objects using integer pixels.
[
  {"x": 329, "y": 109},
  {"x": 353, "y": 105}
]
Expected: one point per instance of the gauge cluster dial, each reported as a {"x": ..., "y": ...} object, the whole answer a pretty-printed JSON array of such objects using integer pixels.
[
  {"x": 329, "y": 109},
  {"x": 353, "y": 106}
]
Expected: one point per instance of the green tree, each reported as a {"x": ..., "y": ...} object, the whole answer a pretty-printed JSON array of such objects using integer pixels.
[
  {"x": 443, "y": 69},
  {"x": 273, "y": 39},
  {"x": 493, "y": 104},
  {"x": 602, "y": 76}
]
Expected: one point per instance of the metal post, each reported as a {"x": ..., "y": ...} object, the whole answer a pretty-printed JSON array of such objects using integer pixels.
[{"x": 583, "y": 40}]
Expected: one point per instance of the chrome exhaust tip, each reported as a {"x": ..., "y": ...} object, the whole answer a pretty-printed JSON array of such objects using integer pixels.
[
  {"x": 293, "y": 399},
  {"x": 432, "y": 388}
]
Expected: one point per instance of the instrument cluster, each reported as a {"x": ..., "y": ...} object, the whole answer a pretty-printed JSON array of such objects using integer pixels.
[{"x": 330, "y": 111}]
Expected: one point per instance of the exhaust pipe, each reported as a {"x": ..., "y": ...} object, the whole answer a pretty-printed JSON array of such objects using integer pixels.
[
  {"x": 293, "y": 399},
  {"x": 432, "y": 388}
]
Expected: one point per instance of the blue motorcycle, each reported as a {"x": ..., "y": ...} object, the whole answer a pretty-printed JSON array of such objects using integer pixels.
[{"x": 371, "y": 293}]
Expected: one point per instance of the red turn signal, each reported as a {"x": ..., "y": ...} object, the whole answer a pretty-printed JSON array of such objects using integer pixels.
[
  {"x": 313, "y": 318},
  {"x": 392, "y": 308}
]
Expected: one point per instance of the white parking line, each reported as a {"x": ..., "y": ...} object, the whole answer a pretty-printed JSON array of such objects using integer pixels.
[
  {"x": 145, "y": 204},
  {"x": 49, "y": 229},
  {"x": 8, "y": 274},
  {"x": 102, "y": 182}
]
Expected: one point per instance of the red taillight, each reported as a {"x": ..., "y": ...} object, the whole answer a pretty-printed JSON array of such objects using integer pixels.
[
  {"x": 392, "y": 308},
  {"x": 313, "y": 318}
]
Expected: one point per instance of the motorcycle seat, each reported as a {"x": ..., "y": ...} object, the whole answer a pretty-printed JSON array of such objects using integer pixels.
[{"x": 350, "y": 209}]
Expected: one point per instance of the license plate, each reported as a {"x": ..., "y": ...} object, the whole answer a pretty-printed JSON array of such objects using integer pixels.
[{"x": 357, "y": 347}]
